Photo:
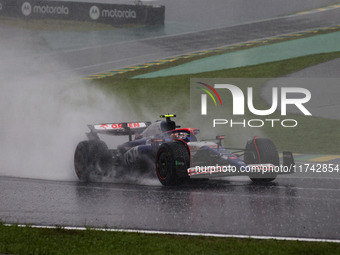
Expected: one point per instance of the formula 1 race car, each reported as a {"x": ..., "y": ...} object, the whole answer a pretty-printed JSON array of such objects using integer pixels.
[{"x": 174, "y": 154}]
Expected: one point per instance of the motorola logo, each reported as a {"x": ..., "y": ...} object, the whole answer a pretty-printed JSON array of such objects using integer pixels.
[
  {"x": 94, "y": 12},
  {"x": 26, "y": 9}
]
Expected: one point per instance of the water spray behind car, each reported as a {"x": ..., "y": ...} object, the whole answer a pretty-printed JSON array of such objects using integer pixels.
[{"x": 43, "y": 110}]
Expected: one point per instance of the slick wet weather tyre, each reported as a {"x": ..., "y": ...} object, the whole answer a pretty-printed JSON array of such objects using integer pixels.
[
  {"x": 172, "y": 162},
  {"x": 91, "y": 159},
  {"x": 261, "y": 151}
]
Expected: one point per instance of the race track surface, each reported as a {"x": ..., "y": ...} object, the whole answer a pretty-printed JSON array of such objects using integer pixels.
[
  {"x": 99, "y": 59},
  {"x": 133, "y": 50},
  {"x": 289, "y": 207}
]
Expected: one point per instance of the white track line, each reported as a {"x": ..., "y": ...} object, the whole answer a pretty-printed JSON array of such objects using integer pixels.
[{"x": 281, "y": 238}]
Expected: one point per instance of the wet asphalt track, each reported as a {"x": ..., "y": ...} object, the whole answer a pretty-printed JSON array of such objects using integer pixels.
[
  {"x": 141, "y": 46},
  {"x": 289, "y": 207},
  {"x": 294, "y": 207},
  {"x": 99, "y": 59}
]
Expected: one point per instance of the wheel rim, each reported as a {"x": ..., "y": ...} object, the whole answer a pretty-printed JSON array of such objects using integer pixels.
[{"x": 162, "y": 165}]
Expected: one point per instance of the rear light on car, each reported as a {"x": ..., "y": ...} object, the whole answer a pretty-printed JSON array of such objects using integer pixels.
[{"x": 157, "y": 140}]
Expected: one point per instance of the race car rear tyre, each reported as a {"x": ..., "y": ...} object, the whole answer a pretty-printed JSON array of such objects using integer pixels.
[
  {"x": 261, "y": 151},
  {"x": 92, "y": 160},
  {"x": 172, "y": 162}
]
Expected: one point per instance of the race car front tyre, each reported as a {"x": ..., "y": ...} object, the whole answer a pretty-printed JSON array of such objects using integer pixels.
[
  {"x": 92, "y": 160},
  {"x": 172, "y": 162},
  {"x": 261, "y": 151}
]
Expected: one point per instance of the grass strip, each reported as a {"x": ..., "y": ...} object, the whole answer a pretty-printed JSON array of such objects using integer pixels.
[{"x": 28, "y": 240}]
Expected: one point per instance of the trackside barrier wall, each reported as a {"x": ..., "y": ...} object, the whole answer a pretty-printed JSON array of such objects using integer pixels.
[{"x": 81, "y": 11}]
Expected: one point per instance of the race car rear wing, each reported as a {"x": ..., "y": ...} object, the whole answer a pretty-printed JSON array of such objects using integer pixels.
[{"x": 119, "y": 129}]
